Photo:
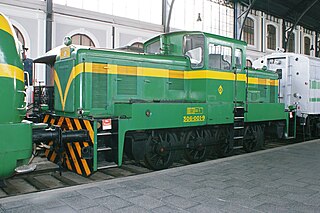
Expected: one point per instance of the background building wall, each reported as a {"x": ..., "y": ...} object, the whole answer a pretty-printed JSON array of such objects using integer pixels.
[{"x": 116, "y": 29}]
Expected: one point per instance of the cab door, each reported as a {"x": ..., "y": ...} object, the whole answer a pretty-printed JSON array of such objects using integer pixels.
[{"x": 240, "y": 79}]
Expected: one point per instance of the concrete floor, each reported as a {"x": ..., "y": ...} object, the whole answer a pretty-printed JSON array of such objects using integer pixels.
[{"x": 285, "y": 179}]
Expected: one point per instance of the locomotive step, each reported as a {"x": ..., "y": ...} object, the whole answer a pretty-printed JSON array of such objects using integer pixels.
[
  {"x": 238, "y": 137},
  {"x": 238, "y": 118},
  {"x": 104, "y": 149},
  {"x": 237, "y": 147},
  {"x": 107, "y": 165},
  {"x": 104, "y": 133},
  {"x": 238, "y": 127}
]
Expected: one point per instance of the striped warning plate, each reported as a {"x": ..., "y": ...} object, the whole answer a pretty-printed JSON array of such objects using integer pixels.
[{"x": 71, "y": 157}]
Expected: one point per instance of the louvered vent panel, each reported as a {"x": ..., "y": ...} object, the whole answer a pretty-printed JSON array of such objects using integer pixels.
[
  {"x": 99, "y": 86},
  {"x": 176, "y": 79},
  {"x": 127, "y": 80}
]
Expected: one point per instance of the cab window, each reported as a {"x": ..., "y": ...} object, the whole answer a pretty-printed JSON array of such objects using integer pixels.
[
  {"x": 238, "y": 57},
  {"x": 154, "y": 48},
  {"x": 220, "y": 57},
  {"x": 193, "y": 47}
]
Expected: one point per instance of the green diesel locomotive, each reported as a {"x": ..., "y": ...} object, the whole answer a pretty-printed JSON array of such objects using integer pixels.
[
  {"x": 18, "y": 135},
  {"x": 189, "y": 94},
  {"x": 16, "y": 140}
]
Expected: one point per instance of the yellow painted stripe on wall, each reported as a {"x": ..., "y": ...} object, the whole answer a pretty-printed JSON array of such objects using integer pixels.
[
  {"x": 10, "y": 71},
  {"x": 5, "y": 25}
]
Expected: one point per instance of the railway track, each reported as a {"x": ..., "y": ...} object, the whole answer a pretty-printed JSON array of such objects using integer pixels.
[{"x": 47, "y": 175}]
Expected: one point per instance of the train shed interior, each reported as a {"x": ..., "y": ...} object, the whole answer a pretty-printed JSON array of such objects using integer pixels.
[{"x": 159, "y": 106}]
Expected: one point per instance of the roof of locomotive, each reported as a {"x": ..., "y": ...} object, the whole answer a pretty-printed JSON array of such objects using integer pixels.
[{"x": 207, "y": 35}]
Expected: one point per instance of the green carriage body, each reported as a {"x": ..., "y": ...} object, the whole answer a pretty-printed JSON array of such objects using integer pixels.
[{"x": 118, "y": 92}]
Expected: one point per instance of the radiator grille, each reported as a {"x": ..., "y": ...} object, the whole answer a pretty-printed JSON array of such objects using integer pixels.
[{"x": 99, "y": 87}]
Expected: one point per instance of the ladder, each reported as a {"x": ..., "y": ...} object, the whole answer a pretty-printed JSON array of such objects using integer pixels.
[
  {"x": 238, "y": 126},
  {"x": 106, "y": 150},
  {"x": 238, "y": 115}
]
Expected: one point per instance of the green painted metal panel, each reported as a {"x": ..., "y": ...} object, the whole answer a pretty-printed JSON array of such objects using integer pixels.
[
  {"x": 16, "y": 147},
  {"x": 265, "y": 112},
  {"x": 9, "y": 51},
  {"x": 163, "y": 115},
  {"x": 220, "y": 113},
  {"x": 11, "y": 100},
  {"x": 10, "y": 97}
]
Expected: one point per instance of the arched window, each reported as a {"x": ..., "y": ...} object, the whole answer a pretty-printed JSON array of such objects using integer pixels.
[
  {"x": 291, "y": 43},
  {"x": 248, "y": 63},
  {"x": 82, "y": 39},
  {"x": 248, "y": 31},
  {"x": 271, "y": 37},
  {"x": 307, "y": 45},
  {"x": 19, "y": 35}
]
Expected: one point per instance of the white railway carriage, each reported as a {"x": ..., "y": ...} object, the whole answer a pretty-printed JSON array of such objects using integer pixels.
[{"x": 299, "y": 85}]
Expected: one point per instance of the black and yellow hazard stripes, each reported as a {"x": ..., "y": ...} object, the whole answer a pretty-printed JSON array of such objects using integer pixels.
[{"x": 71, "y": 157}]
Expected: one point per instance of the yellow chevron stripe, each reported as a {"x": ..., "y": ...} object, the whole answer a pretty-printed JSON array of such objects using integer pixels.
[
  {"x": 83, "y": 161},
  {"x": 48, "y": 150},
  {"x": 61, "y": 119},
  {"x": 70, "y": 127},
  {"x": 77, "y": 122},
  {"x": 5, "y": 25},
  {"x": 46, "y": 118},
  {"x": 52, "y": 121},
  {"x": 68, "y": 163},
  {"x": 89, "y": 128},
  {"x": 53, "y": 156},
  {"x": 57, "y": 81},
  {"x": 74, "y": 159},
  {"x": 10, "y": 71}
]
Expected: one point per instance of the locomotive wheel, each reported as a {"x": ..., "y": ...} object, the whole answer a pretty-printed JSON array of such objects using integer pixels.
[
  {"x": 196, "y": 145},
  {"x": 253, "y": 138},
  {"x": 225, "y": 145},
  {"x": 159, "y": 154}
]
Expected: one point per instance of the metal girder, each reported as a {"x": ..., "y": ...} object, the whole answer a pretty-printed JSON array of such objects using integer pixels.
[
  {"x": 245, "y": 13},
  {"x": 49, "y": 14},
  {"x": 166, "y": 14},
  {"x": 297, "y": 21}
]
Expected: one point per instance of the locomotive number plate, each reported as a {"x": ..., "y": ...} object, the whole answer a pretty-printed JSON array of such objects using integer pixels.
[{"x": 194, "y": 114}]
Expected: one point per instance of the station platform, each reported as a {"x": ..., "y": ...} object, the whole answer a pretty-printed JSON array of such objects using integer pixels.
[{"x": 284, "y": 179}]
